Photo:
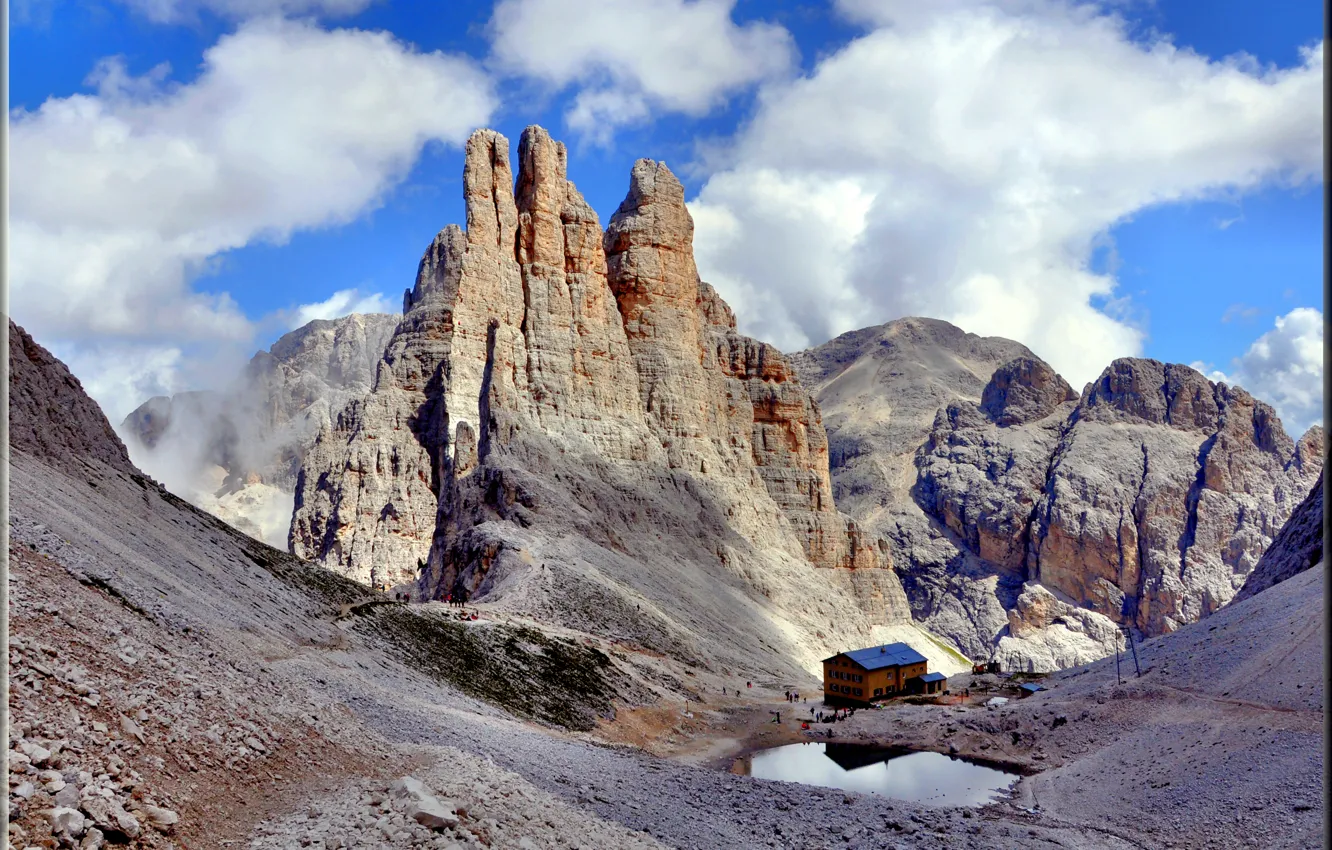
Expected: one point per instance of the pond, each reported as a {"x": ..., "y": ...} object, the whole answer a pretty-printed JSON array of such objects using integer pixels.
[{"x": 918, "y": 777}]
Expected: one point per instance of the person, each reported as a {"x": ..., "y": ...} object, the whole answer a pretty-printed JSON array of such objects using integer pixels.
[{"x": 787, "y": 694}]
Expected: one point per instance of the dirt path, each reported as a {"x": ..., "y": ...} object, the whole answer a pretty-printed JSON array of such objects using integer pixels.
[{"x": 712, "y": 735}]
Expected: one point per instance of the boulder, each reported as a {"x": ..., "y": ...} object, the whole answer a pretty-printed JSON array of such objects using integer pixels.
[{"x": 67, "y": 820}]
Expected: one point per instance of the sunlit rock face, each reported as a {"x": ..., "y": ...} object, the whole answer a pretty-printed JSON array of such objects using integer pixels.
[
  {"x": 537, "y": 349},
  {"x": 1147, "y": 500}
]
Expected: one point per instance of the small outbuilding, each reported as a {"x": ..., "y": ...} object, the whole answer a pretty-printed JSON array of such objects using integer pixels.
[
  {"x": 930, "y": 683},
  {"x": 1028, "y": 689}
]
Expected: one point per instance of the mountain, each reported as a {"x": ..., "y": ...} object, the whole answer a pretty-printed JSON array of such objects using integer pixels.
[
  {"x": 1297, "y": 547},
  {"x": 236, "y": 453},
  {"x": 1025, "y": 517},
  {"x": 567, "y": 422},
  {"x": 161, "y": 662},
  {"x": 177, "y": 683}
]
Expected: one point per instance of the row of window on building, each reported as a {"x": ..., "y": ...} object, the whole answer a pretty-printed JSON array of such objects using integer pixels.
[
  {"x": 853, "y": 677},
  {"x": 850, "y": 691}
]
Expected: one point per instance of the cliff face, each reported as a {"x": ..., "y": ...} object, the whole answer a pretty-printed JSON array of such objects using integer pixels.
[
  {"x": 1146, "y": 502},
  {"x": 881, "y": 390},
  {"x": 236, "y": 453},
  {"x": 542, "y": 362},
  {"x": 1297, "y": 547},
  {"x": 1164, "y": 493}
]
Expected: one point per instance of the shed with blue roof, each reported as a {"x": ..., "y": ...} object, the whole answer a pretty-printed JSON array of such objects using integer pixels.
[
  {"x": 863, "y": 676},
  {"x": 931, "y": 683}
]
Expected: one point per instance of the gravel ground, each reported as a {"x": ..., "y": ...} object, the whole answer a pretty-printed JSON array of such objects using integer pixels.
[
  {"x": 692, "y": 807},
  {"x": 339, "y": 717}
]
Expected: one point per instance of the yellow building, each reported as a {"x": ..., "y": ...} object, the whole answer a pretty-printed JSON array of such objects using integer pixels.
[{"x": 865, "y": 675}]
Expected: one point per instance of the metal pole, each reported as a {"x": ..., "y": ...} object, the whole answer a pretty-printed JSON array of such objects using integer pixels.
[
  {"x": 1134, "y": 648},
  {"x": 1118, "y": 679}
]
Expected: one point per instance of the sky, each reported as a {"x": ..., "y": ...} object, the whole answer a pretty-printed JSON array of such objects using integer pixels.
[{"x": 190, "y": 179}]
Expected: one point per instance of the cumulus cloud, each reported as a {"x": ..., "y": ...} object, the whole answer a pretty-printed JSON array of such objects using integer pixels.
[
  {"x": 631, "y": 58},
  {"x": 122, "y": 198},
  {"x": 339, "y": 304},
  {"x": 964, "y": 160},
  {"x": 1284, "y": 367}
]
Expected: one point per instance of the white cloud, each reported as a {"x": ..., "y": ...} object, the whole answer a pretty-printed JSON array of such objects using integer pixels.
[
  {"x": 187, "y": 11},
  {"x": 122, "y": 198},
  {"x": 1284, "y": 367},
  {"x": 1240, "y": 313},
  {"x": 122, "y": 376},
  {"x": 981, "y": 153},
  {"x": 339, "y": 304},
  {"x": 633, "y": 57}
]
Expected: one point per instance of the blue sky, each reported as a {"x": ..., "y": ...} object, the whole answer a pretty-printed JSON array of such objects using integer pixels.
[{"x": 1205, "y": 232}]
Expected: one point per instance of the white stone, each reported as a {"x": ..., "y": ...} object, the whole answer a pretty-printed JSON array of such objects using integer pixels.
[{"x": 68, "y": 820}]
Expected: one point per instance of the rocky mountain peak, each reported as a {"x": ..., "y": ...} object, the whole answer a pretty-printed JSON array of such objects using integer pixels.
[
  {"x": 1024, "y": 390},
  {"x": 606, "y": 345},
  {"x": 716, "y": 312},
  {"x": 1151, "y": 391},
  {"x": 440, "y": 269}
]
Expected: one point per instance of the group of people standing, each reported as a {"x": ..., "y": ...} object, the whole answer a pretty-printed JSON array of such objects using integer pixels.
[
  {"x": 837, "y": 714},
  {"x": 792, "y": 696}
]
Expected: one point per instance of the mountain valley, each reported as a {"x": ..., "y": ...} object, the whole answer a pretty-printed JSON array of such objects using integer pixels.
[{"x": 533, "y": 563}]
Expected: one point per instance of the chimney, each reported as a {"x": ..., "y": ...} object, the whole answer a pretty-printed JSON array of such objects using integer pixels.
[{"x": 883, "y": 648}]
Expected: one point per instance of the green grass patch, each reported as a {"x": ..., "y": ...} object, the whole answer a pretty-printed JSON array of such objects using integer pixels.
[{"x": 519, "y": 668}]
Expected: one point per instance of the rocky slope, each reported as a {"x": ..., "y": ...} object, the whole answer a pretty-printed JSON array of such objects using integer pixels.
[
  {"x": 1026, "y": 521},
  {"x": 236, "y": 453},
  {"x": 1219, "y": 742},
  {"x": 51, "y": 416},
  {"x": 176, "y": 683},
  {"x": 567, "y": 422},
  {"x": 1297, "y": 547}
]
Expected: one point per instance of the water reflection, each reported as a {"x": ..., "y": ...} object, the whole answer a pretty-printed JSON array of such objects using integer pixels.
[{"x": 903, "y": 775}]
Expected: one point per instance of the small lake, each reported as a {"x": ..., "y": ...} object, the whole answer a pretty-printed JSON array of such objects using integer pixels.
[{"x": 918, "y": 777}]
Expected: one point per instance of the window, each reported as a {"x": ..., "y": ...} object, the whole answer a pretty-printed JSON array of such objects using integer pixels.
[
  {"x": 878, "y": 692},
  {"x": 857, "y": 691}
]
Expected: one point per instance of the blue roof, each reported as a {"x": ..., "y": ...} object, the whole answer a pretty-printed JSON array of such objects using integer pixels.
[
  {"x": 1033, "y": 687},
  {"x": 933, "y": 677},
  {"x": 889, "y": 655}
]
